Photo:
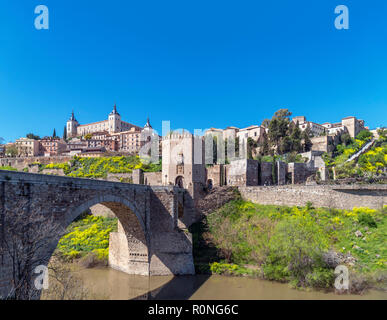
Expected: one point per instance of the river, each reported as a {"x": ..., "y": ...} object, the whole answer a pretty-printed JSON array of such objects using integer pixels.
[{"x": 107, "y": 283}]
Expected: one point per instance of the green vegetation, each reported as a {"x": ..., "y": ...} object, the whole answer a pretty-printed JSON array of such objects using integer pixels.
[
  {"x": 291, "y": 244},
  {"x": 8, "y": 168},
  {"x": 370, "y": 164},
  {"x": 87, "y": 235},
  {"x": 100, "y": 167},
  {"x": 32, "y": 136},
  {"x": 285, "y": 136}
]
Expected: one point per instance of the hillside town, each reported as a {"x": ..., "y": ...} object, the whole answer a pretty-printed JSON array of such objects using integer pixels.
[
  {"x": 117, "y": 136},
  {"x": 279, "y": 151}
]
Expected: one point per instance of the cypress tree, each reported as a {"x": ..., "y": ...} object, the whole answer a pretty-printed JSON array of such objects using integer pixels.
[{"x": 64, "y": 133}]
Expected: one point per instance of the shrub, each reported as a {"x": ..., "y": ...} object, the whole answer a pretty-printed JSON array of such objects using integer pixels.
[
  {"x": 320, "y": 278},
  {"x": 8, "y": 168},
  {"x": 229, "y": 269},
  {"x": 296, "y": 251},
  {"x": 367, "y": 220},
  {"x": 364, "y": 135},
  {"x": 87, "y": 235}
]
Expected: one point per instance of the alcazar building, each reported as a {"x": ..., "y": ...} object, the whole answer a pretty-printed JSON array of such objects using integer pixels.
[{"x": 113, "y": 124}]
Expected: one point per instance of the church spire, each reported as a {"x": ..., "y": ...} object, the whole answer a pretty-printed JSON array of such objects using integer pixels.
[
  {"x": 147, "y": 125},
  {"x": 114, "y": 109},
  {"x": 72, "y": 118}
]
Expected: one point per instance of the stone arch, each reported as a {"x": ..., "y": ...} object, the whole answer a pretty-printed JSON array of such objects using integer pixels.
[
  {"x": 129, "y": 247},
  {"x": 179, "y": 181}
]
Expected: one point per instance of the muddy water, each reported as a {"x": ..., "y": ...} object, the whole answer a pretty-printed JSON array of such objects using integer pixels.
[{"x": 107, "y": 283}]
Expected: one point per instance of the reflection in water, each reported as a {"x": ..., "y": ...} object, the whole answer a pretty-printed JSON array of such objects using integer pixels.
[{"x": 112, "y": 284}]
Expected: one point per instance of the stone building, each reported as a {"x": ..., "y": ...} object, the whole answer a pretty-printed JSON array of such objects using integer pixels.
[
  {"x": 183, "y": 160},
  {"x": 113, "y": 124},
  {"x": 255, "y": 132},
  {"x": 352, "y": 125},
  {"x": 49, "y": 146},
  {"x": 314, "y": 128},
  {"x": 27, "y": 147},
  {"x": 112, "y": 134}
]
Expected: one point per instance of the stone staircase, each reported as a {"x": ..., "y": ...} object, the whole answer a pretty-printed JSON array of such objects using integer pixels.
[{"x": 364, "y": 149}]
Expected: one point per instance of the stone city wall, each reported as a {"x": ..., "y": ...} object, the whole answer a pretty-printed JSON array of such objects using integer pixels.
[
  {"x": 242, "y": 173},
  {"x": 340, "y": 197},
  {"x": 21, "y": 163},
  {"x": 153, "y": 178}
]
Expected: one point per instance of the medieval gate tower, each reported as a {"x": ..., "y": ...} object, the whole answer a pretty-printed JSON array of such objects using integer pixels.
[{"x": 183, "y": 163}]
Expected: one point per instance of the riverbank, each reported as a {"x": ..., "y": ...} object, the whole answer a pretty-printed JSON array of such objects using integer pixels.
[
  {"x": 298, "y": 245},
  {"x": 109, "y": 284}
]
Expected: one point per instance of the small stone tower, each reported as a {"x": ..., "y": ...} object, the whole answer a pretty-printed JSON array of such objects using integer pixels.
[
  {"x": 183, "y": 161},
  {"x": 114, "y": 121},
  {"x": 183, "y": 166},
  {"x": 71, "y": 127}
]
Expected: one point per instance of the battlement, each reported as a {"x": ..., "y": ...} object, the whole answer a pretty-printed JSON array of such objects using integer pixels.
[{"x": 179, "y": 136}]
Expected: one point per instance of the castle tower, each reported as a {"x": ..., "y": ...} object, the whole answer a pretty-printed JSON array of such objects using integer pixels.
[
  {"x": 114, "y": 121},
  {"x": 71, "y": 126},
  {"x": 183, "y": 161},
  {"x": 183, "y": 166}
]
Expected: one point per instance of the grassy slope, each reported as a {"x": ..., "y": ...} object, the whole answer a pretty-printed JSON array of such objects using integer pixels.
[
  {"x": 88, "y": 234},
  {"x": 100, "y": 167},
  {"x": 275, "y": 241}
]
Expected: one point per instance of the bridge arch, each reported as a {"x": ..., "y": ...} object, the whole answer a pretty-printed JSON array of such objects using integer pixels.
[{"x": 129, "y": 247}]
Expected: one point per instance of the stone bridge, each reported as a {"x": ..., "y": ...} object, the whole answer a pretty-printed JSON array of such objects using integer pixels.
[{"x": 152, "y": 237}]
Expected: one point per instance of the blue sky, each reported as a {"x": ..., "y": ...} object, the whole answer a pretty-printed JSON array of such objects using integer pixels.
[{"x": 199, "y": 64}]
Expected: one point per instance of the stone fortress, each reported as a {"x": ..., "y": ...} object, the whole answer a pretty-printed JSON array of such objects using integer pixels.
[{"x": 113, "y": 124}]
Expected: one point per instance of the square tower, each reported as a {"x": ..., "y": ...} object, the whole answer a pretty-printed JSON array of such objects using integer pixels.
[{"x": 183, "y": 161}]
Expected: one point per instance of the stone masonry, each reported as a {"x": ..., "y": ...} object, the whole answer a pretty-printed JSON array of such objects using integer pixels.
[
  {"x": 335, "y": 196},
  {"x": 149, "y": 240}
]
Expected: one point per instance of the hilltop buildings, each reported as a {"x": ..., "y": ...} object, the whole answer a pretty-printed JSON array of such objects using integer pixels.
[
  {"x": 112, "y": 125},
  {"x": 115, "y": 135},
  {"x": 112, "y": 134}
]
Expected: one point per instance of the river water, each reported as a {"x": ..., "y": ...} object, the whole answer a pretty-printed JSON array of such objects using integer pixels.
[{"x": 107, "y": 283}]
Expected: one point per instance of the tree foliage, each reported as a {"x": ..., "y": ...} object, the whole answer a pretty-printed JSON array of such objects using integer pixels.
[{"x": 32, "y": 136}]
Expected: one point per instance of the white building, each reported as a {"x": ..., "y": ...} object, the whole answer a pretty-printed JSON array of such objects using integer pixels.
[{"x": 112, "y": 125}]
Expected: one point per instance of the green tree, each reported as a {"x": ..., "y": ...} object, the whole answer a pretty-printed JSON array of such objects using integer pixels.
[
  {"x": 251, "y": 145},
  {"x": 11, "y": 151},
  {"x": 346, "y": 139},
  {"x": 295, "y": 137},
  {"x": 64, "y": 133},
  {"x": 364, "y": 135},
  {"x": 279, "y": 129},
  {"x": 265, "y": 148},
  {"x": 32, "y": 136},
  {"x": 265, "y": 123},
  {"x": 307, "y": 146},
  {"x": 285, "y": 145},
  {"x": 382, "y": 132}
]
